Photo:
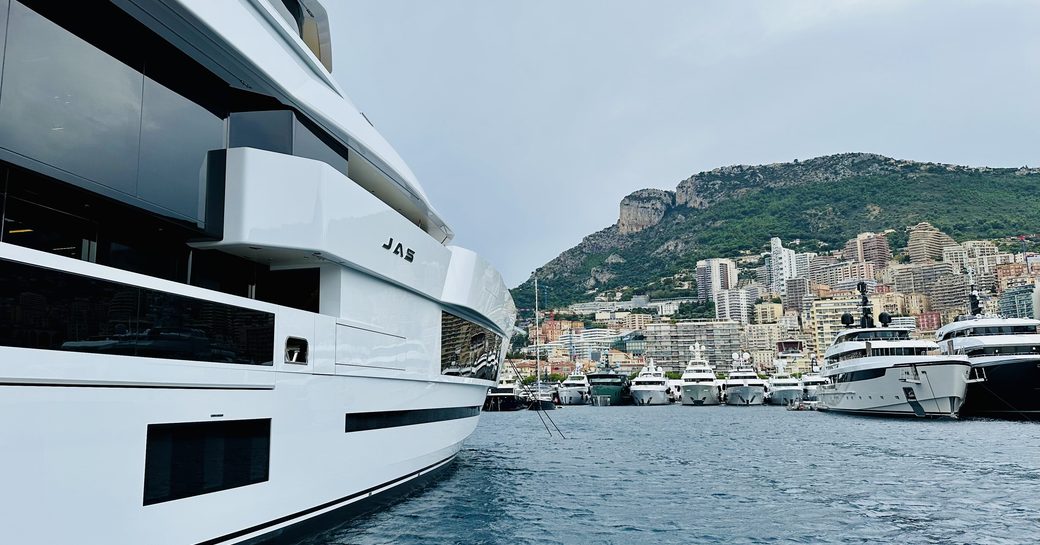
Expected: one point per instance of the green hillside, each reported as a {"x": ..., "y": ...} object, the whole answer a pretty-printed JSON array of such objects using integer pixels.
[{"x": 794, "y": 201}]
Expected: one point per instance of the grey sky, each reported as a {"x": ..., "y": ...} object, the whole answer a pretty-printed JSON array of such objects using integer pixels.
[{"x": 528, "y": 121}]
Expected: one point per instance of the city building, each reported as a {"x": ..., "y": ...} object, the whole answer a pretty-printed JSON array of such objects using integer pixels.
[
  {"x": 781, "y": 265},
  {"x": 736, "y": 305},
  {"x": 1019, "y": 302},
  {"x": 926, "y": 243},
  {"x": 909, "y": 322},
  {"x": 714, "y": 275},
  {"x": 803, "y": 264},
  {"x": 795, "y": 290},
  {"x": 870, "y": 248},
  {"x": 915, "y": 278},
  {"x": 668, "y": 343},
  {"x": 825, "y": 319},
  {"x": 636, "y": 321},
  {"x": 837, "y": 273},
  {"x": 929, "y": 321},
  {"x": 581, "y": 344},
  {"x": 949, "y": 293},
  {"x": 768, "y": 313},
  {"x": 760, "y": 341}
]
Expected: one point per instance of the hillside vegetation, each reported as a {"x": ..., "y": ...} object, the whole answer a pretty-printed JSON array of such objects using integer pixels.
[{"x": 821, "y": 202}]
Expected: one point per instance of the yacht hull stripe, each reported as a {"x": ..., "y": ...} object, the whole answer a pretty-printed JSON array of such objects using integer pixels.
[{"x": 391, "y": 419}]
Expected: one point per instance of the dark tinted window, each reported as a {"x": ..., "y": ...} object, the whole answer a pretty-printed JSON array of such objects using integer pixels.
[
  {"x": 194, "y": 458},
  {"x": 307, "y": 144},
  {"x": 296, "y": 288},
  {"x": 54, "y": 310},
  {"x": 467, "y": 349},
  {"x": 271, "y": 131},
  {"x": 68, "y": 104},
  {"x": 176, "y": 134},
  {"x": 41, "y": 228}
]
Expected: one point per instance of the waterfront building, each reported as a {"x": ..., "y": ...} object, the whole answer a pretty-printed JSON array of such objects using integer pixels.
[
  {"x": 713, "y": 275},
  {"x": 870, "y": 248},
  {"x": 735, "y": 305},
  {"x": 668, "y": 343},
  {"x": 926, "y": 243},
  {"x": 929, "y": 321},
  {"x": 550, "y": 330},
  {"x": 917, "y": 303},
  {"x": 768, "y": 312},
  {"x": 909, "y": 322},
  {"x": 781, "y": 265},
  {"x": 580, "y": 344},
  {"x": 825, "y": 319},
  {"x": 1019, "y": 302},
  {"x": 760, "y": 340},
  {"x": 795, "y": 290}
]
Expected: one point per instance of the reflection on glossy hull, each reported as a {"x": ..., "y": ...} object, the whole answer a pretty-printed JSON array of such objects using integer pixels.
[
  {"x": 745, "y": 395},
  {"x": 1010, "y": 390},
  {"x": 700, "y": 394}
]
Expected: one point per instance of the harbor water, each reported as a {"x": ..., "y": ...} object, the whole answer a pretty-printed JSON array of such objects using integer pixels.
[{"x": 679, "y": 474}]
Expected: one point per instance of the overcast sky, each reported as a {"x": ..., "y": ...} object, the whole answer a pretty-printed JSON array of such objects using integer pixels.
[{"x": 528, "y": 121}]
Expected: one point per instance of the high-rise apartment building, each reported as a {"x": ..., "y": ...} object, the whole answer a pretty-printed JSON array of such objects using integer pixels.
[
  {"x": 781, "y": 265},
  {"x": 714, "y": 275},
  {"x": 795, "y": 290},
  {"x": 803, "y": 263},
  {"x": 736, "y": 305},
  {"x": 1019, "y": 302},
  {"x": 668, "y": 343},
  {"x": 825, "y": 319},
  {"x": 833, "y": 275},
  {"x": 926, "y": 243},
  {"x": 768, "y": 313},
  {"x": 868, "y": 248}
]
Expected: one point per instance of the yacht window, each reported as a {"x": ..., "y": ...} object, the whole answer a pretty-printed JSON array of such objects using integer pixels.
[
  {"x": 296, "y": 288},
  {"x": 194, "y": 458},
  {"x": 468, "y": 349},
  {"x": 295, "y": 350}
]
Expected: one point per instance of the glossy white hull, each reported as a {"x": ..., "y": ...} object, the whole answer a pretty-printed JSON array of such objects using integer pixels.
[
  {"x": 650, "y": 396},
  {"x": 936, "y": 389},
  {"x": 785, "y": 395},
  {"x": 745, "y": 395},
  {"x": 700, "y": 394},
  {"x": 573, "y": 396}
]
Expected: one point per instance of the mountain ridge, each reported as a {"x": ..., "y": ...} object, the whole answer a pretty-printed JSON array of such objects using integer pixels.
[{"x": 734, "y": 209}]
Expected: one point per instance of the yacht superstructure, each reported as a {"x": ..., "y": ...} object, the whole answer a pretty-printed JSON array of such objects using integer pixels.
[
  {"x": 882, "y": 370},
  {"x": 743, "y": 387},
  {"x": 220, "y": 289},
  {"x": 810, "y": 383},
  {"x": 649, "y": 388},
  {"x": 700, "y": 386}
]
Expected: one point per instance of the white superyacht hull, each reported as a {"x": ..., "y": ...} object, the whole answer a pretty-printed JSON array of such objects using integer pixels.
[
  {"x": 745, "y": 395},
  {"x": 700, "y": 394},
  {"x": 574, "y": 396},
  {"x": 785, "y": 396},
  {"x": 923, "y": 390},
  {"x": 647, "y": 396}
]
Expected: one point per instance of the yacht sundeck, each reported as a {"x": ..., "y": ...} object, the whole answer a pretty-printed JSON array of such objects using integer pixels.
[
  {"x": 649, "y": 387},
  {"x": 881, "y": 370},
  {"x": 228, "y": 311}
]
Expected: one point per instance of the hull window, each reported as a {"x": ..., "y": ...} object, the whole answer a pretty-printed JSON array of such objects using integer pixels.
[
  {"x": 194, "y": 458},
  {"x": 55, "y": 310},
  {"x": 467, "y": 349}
]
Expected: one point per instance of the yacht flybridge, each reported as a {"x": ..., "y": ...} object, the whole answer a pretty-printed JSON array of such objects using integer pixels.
[
  {"x": 881, "y": 370},
  {"x": 1003, "y": 351},
  {"x": 227, "y": 309}
]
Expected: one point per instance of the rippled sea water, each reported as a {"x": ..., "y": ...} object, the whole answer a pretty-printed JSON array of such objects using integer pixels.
[{"x": 680, "y": 474}]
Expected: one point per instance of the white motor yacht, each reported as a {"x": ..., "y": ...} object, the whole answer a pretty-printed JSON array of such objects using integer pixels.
[
  {"x": 743, "y": 387},
  {"x": 883, "y": 371},
  {"x": 229, "y": 313},
  {"x": 784, "y": 390},
  {"x": 810, "y": 383},
  {"x": 574, "y": 390},
  {"x": 700, "y": 385},
  {"x": 649, "y": 387},
  {"x": 505, "y": 395}
]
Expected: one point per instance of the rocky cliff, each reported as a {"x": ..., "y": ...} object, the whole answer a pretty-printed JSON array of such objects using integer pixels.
[{"x": 821, "y": 202}]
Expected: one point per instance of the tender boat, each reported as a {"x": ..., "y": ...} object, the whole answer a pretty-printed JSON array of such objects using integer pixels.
[
  {"x": 649, "y": 388},
  {"x": 883, "y": 371}
]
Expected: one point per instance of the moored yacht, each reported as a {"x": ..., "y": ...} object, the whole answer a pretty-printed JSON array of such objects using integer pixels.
[
  {"x": 505, "y": 395},
  {"x": 744, "y": 387},
  {"x": 700, "y": 386},
  {"x": 1003, "y": 351},
  {"x": 608, "y": 386},
  {"x": 649, "y": 388},
  {"x": 882, "y": 371},
  {"x": 784, "y": 390},
  {"x": 574, "y": 390},
  {"x": 228, "y": 311},
  {"x": 810, "y": 383}
]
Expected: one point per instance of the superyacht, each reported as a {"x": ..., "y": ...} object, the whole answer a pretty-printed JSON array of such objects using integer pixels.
[
  {"x": 784, "y": 390},
  {"x": 574, "y": 390},
  {"x": 882, "y": 371},
  {"x": 1004, "y": 351},
  {"x": 810, "y": 384},
  {"x": 505, "y": 396},
  {"x": 649, "y": 388},
  {"x": 743, "y": 387},
  {"x": 700, "y": 386},
  {"x": 608, "y": 386},
  {"x": 228, "y": 311}
]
